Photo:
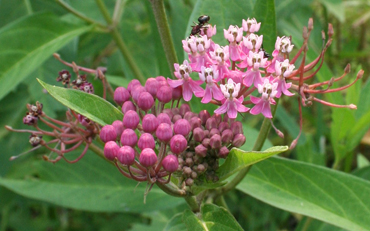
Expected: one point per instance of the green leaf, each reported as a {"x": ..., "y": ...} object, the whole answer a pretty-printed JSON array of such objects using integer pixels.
[
  {"x": 210, "y": 218},
  {"x": 328, "y": 195},
  {"x": 175, "y": 224},
  {"x": 28, "y": 42},
  {"x": 239, "y": 159},
  {"x": 336, "y": 7},
  {"x": 93, "y": 107}
]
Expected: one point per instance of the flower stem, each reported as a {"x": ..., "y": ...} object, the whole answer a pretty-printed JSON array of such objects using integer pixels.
[
  {"x": 192, "y": 202},
  {"x": 172, "y": 189},
  {"x": 164, "y": 32}
]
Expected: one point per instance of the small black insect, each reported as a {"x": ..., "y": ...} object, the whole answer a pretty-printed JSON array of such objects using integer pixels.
[
  {"x": 203, "y": 19},
  {"x": 265, "y": 54}
]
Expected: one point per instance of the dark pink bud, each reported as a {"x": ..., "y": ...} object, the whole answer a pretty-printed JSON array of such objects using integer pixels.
[
  {"x": 205, "y": 142},
  {"x": 178, "y": 144},
  {"x": 224, "y": 152},
  {"x": 215, "y": 141},
  {"x": 150, "y": 123},
  {"x": 198, "y": 134},
  {"x": 164, "y": 94},
  {"x": 126, "y": 155},
  {"x": 201, "y": 151},
  {"x": 118, "y": 126},
  {"x": 127, "y": 106},
  {"x": 133, "y": 83},
  {"x": 204, "y": 116},
  {"x": 84, "y": 121},
  {"x": 121, "y": 95},
  {"x": 182, "y": 127},
  {"x": 164, "y": 132},
  {"x": 161, "y": 79},
  {"x": 145, "y": 101},
  {"x": 136, "y": 91},
  {"x": 195, "y": 122},
  {"x": 227, "y": 136},
  {"x": 184, "y": 108},
  {"x": 176, "y": 111},
  {"x": 129, "y": 137},
  {"x": 177, "y": 93},
  {"x": 111, "y": 150},
  {"x": 151, "y": 85},
  {"x": 188, "y": 115},
  {"x": 206, "y": 133},
  {"x": 211, "y": 123},
  {"x": 170, "y": 163},
  {"x": 147, "y": 157},
  {"x": 222, "y": 126},
  {"x": 108, "y": 133},
  {"x": 169, "y": 112},
  {"x": 131, "y": 119},
  {"x": 146, "y": 140},
  {"x": 237, "y": 127},
  {"x": 218, "y": 118},
  {"x": 176, "y": 118},
  {"x": 164, "y": 118},
  {"x": 239, "y": 140},
  {"x": 214, "y": 131}
]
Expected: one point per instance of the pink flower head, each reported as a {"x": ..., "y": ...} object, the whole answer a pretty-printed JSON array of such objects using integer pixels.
[
  {"x": 221, "y": 57},
  {"x": 202, "y": 59},
  {"x": 283, "y": 45},
  {"x": 252, "y": 43},
  {"x": 190, "y": 47},
  {"x": 189, "y": 86},
  {"x": 283, "y": 70},
  {"x": 251, "y": 25},
  {"x": 210, "y": 76},
  {"x": 208, "y": 30},
  {"x": 231, "y": 104},
  {"x": 268, "y": 91},
  {"x": 254, "y": 62},
  {"x": 234, "y": 35}
]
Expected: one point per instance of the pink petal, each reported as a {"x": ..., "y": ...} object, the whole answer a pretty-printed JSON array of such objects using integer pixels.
[
  {"x": 223, "y": 108},
  {"x": 194, "y": 86},
  {"x": 232, "y": 112},
  {"x": 187, "y": 93},
  {"x": 240, "y": 107},
  {"x": 217, "y": 93},
  {"x": 175, "y": 83},
  {"x": 248, "y": 78},
  {"x": 207, "y": 95},
  {"x": 256, "y": 109},
  {"x": 266, "y": 110}
]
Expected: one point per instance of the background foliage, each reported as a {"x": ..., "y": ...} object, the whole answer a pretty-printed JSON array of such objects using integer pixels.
[{"x": 277, "y": 194}]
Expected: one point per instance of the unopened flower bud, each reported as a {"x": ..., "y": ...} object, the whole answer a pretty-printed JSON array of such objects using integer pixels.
[
  {"x": 129, "y": 137},
  {"x": 224, "y": 152},
  {"x": 111, "y": 150},
  {"x": 35, "y": 140},
  {"x": 182, "y": 126},
  {"x": 170, "y": 163},
  {"x": 198, "y": 134},
  {"x": 217, "y": 117},
  {"x": 150, "y": 123},
  {"x": 215, "y": 141},
  {"x": 227, "y": 136},
  {"x": 205, "y": 142},
  {"x": 146, "y": 140},
  {"x": 161, "y": 80},
  {"x": 145, "y": 101},
  {"x": 189, "y": 182},
  {"x": 136, "y": 91},
  {"x": 184, "y": 108},
  {"x": 147, "y": 157},
  {"x": 131, "y": 119},
  {"x": 195, "y": 122},
  {"x": 222, "y": 126},
  {"x": 204, "y": 116},
  {"x": 239, "y": 140},
  {"x": 164, "y": 118},
  {"x": 211, "y": 123},
  {"x": 237, "y": 127},
  {"x": 108, "y": 133},
  {"x": 175, "y": 111},
  {"x": 126, "y": 155},
  {"x": 127, "y": 106},
  {"x": 214, "y": 131},
  {"x": 201, "y": 168},
  {"x": 151, "y": 85},
  {"x": 132, "y": 83},
  {"x": 193, "y": 175},
  {"x": 177, "y": 93},
  {"x": 121, "y": 95},
  {"x": 118, "y": 126},
  {"x": 164, "y": 132},
  {"x": 178, "y": 144},
  {"x": 201, "y": 151},
  {"x": 188, "y": 115},
  {"x": 176, "y": 118},
  {"x": 164, "y": 94}
]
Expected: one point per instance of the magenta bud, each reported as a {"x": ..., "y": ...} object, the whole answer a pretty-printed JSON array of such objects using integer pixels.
[
  {"x": 121, "y": 95},
  {"x": 168, "y": 112},
  {"x": 214, "y": 131},
  {"x": 184, "y": 108},
  {"x": 211, "y": 123},
  {"x": 177, "y": 93},
  {"x": 195, "y": 122},
  {"x": 147, "y": 157},
  {"x": 201, "y": 151},
  {"x": 182, "y": 126},
  {"x": 178, "y": 144},
  {"x": 164, "y": 118},
  {"x": 136, "y": 91},
  {"x": 127, "y": 106},
  {"x": 236, "y": 127},
  {"x": 145, "y": 101},
  {"x": 227, "y": 136},
  {"x": 175, "y": 111},
  {"x": 162, "y": 80},
  {"x": 198, "y": 134},
  {"x": 206, "y": 133},
  {"x": 215, "y": 141},
  {"x": 151, "y": 85},
  {"x": 118, "y": 126},
  {"x": 204, "y": 116},
  {"x": 108, "y": 133},
  {"x": 146, "y": 140},
  {"x": 150, "y": 123},
  {"x": 205, "y": 142},
  {"x": 224, "y": 152},
  {"x": 176, "y": 118},
  {"x": 131, "y": 119},
  {"x": 164, "y": 132},
  {"x": 133, "y": 83},
  {"x": 129, "y": 137},
  {"x": 164, "y": 94},
  {"x": 188, "y": 115},
  {"x": 111, "y": 150},
  {"x": 126, "y": 155},
  {"x": 239, "y": 140},
  {"x": 170, "y": 163},
  {"x": 217, "y": 117},
  {"x": 222, "y": 126}
]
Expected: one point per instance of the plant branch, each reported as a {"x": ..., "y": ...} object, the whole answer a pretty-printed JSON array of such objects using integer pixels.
[
  {"x": 192, "y": 202},
  {"x": 172, "y": 189}
]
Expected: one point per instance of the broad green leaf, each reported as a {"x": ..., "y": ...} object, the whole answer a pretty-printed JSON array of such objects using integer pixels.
[
  {"x": 364, "y": 173},
  {"x": 175, "y": 224},
  {"x": 316, "y": 225},
  {"x": 93, "y": 107},
  {"x": 336, "y": 7},
  {"x": 239, "y": 159},
  {"x": 118, "y": 81},
  {"x": 328, "y": 195},
  {"x": 26, "y": 43},
  {"x": 91, "y": 185},
  {"x": 264, "y": 12},
  {"x": 210, "y": 218}
]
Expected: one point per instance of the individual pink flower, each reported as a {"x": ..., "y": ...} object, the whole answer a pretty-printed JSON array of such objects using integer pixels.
[
  {"x": 189, "y": 86},
  {"x": 252, "y": 43},
  {"x": 209, "y": 76},
  {"x": 190, "y": 47},
  {"x": 220, "y": 56},
  {"x": 283, "y": 47},
  {"x": 202, "y": 60},
  {"x": 231, "y": 104},
  {"x": 268, "y": 91},
  {"x": 283, "y": 70},
  {"x": 254, "y": 62},
  {"x": 251, "y": 25},
  {"x": 234, "y": 35},
  {"x": 208, "y": 30}
]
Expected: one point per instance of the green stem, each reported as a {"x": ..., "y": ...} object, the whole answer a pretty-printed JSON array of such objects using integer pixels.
[
  {"x": 192, "y": 202},
  {"x": 220, "y": 201},
  {"x": 306, "y": 224},
  {"x": 164, "y": 32},
  {"x": 120, "y": 43},
  {"x": 172, "y": 189},
  {"x": 28, "y": 6}
]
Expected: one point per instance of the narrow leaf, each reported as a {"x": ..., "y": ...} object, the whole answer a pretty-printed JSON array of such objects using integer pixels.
[{"x": 92, "y": 106}]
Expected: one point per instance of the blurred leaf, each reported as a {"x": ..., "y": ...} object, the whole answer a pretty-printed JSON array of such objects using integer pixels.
[
  {"x": 308, "y": 153},
  {"x": 316, "y": 225},
  {"x": 92, "y": 106},
  {"x": 363, "y": 173},
  {"x": 175, "y": 224},
  {"x": 251, "y": 137},
  {"x": 239, "y": 159},
  {"x": 362, "y": 161},
  {"x": 336, "y": 7},
  {"x": 211, "y": 218},
  {"x": 289, "y": 123},
  {"x": 117, "y": 81},
  {"x": 11, "y": 10},
  {"x": 28, "y": 42},
  {"x": 331, "y": 196}
]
